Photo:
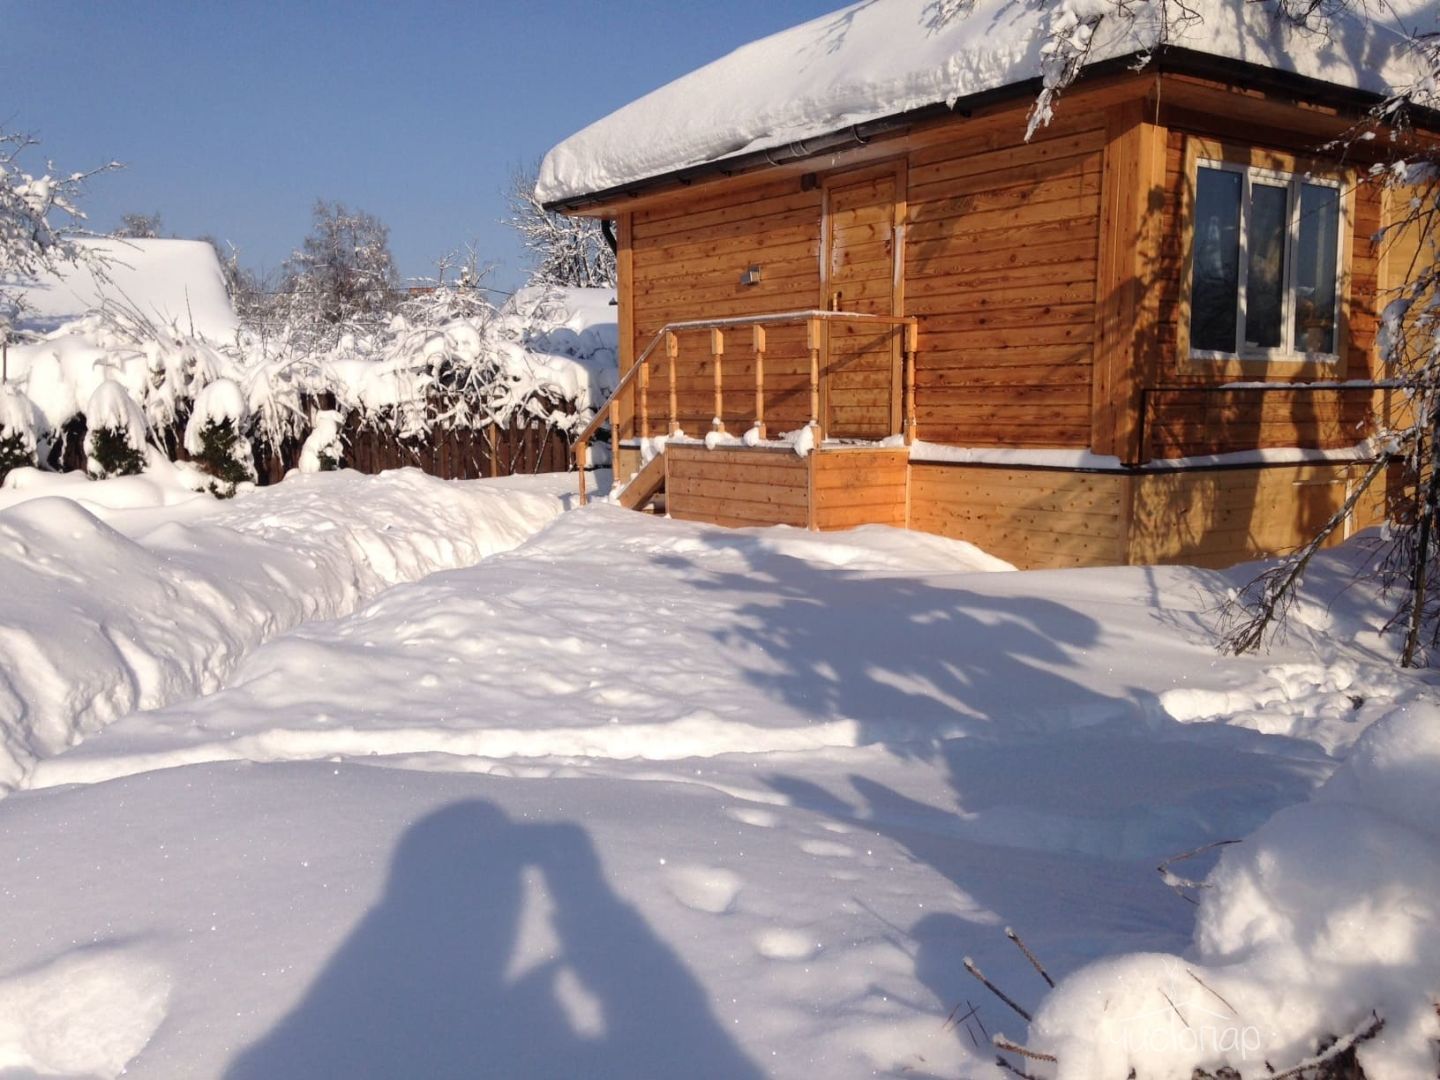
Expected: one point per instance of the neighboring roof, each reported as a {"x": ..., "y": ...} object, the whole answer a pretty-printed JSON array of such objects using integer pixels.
[
  {"x": 169, "y": 281},
  {"x": 882, "y": 58}
]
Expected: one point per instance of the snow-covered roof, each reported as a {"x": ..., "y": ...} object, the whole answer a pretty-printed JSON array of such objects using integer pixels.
[
  {"x": 168, "y": 281},
  {"x": 881, "y": 58}
]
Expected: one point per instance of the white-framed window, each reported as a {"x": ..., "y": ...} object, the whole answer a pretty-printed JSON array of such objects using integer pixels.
[{"x": 1266, "y": 264}]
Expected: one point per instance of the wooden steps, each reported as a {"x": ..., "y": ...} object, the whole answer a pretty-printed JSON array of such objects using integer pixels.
[{"x": 644, "y": 485}]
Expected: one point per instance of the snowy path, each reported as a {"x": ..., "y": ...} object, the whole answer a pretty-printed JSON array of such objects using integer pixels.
[{"x": 639, "y": 798}]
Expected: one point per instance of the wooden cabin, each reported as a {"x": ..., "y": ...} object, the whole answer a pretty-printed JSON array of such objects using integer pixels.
[{"x": 1145, "y": 334}]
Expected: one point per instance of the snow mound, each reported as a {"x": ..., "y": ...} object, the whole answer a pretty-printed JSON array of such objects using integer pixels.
[
  {"x": 323, "y": 443},
  {"x": 88, "y": 1013},
  {"x": 879, "y": 58},
  {"x": 96, "y": 624}
]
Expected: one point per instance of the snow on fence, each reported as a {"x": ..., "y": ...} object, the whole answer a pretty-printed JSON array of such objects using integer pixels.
[{"x": 460, "y": 394}]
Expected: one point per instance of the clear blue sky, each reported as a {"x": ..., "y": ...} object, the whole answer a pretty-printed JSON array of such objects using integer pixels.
[{"x": 232, "y": 117}]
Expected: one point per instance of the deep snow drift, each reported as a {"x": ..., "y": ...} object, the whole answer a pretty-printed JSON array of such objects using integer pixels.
[
  {"x": 96, "y": 624},
  {"x": 640, "y": 798}
]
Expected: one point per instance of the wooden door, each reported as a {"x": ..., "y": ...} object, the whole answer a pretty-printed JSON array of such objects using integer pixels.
[{"x": 860, "y": 270}]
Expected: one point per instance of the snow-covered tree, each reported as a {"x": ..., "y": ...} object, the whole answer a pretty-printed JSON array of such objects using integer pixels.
[
  {"x": 564, "y": 250},
  {"x": 40, "y": 219},
  {"x": 215, "y": 437},
  {"x": 140, "y": 226},
  {"x": 18, "y": 426},
  {"x": 343, "y": 271},
  {"x": 115, "y": 433}
]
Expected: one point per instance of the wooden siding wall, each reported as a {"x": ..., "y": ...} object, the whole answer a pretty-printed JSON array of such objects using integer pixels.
[
  {"x": 1033, "y": 518},
  {"x": 1000, "y": 268},
  {"x": 687, "y": 259},
  {"x": 737, "y": 487},
  {"x": 1221, "y": 517},
  {"x": 1405, "y": 254},
  {"x": 859, "y": 487},
  {"x": 1185, "y": 412}
]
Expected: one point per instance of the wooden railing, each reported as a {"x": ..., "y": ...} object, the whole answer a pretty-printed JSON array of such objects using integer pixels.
[{"x": 666, "y": 342}]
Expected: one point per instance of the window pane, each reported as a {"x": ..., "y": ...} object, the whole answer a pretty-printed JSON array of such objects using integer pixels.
[
  {"x": 1314, "y": 274},
  {"x": 1265, "y": 280},
  {"x": 1215, "y": 272}
]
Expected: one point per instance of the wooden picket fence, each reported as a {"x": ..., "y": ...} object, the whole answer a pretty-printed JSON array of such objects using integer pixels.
[{"x": 526, "y": 445}]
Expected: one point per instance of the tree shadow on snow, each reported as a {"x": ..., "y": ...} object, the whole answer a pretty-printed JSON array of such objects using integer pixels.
[
  {"x": 908, "y": 660},
  {"x": 1067, "y": 796},
  {"x": 465, "y": 969}
]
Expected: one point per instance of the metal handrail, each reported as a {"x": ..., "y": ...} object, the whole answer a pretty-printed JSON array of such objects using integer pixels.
[{"x": 665, "y": 334}]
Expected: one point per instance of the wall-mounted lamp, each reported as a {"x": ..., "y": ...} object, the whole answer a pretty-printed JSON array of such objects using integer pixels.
[{"x": 751, "y": 276}]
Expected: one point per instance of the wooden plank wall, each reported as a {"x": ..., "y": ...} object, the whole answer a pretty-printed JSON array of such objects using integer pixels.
[
  {"x": 1406, "y": 253},
  {"x": 1193, "y": 420},
  {"x": 1034, "y": 518},
  {"x": 1000, "y": 268},
  {"x": 859, "y": 487},
  {"x": 737, "y": 487},
  {"x": 1221, "y": 517},
  {"x": 687, "y": 258}
]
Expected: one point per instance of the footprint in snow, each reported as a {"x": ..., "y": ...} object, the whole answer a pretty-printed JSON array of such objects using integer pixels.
[
  {"x": 828, "y": 849},
  {"x": 704, "y": 888},
  {"x": 782, "y": 944},
  {"x": 762, "y": 819}
]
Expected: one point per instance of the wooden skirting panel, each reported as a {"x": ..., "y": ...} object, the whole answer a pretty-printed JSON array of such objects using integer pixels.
[
  {"x": 1220, "y": 517},
  {"x": 859, "y": 486},
  {"x": 737, "y": 487},
  {"x": 1034, "y": 518},
  {"x": 828, "y": 489},
  {"x": 1038, "y": 518}
]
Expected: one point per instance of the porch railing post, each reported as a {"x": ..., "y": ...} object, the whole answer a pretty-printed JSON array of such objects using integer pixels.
[
  {"x": 717, "y": 356},
  {"x": 672, "y": 350},
  {"x": 760, "y": 380},
  {"x": 812, "y": 341},
  {"x": 614, "y": 433},
  {"x": 582, "y": 462},
  {"x": 643, "y": 389},
  {"x": 912, "y": 334}
]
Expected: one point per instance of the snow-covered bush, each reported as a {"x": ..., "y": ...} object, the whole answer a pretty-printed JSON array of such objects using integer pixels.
[
  {"x": 115, "y": 433},
  {"x": 323, "y": 449},
  {"x": 215, "y": 437},
  {"x": 17, "y": 430},
  {"x": 1319, "y": 931}
]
